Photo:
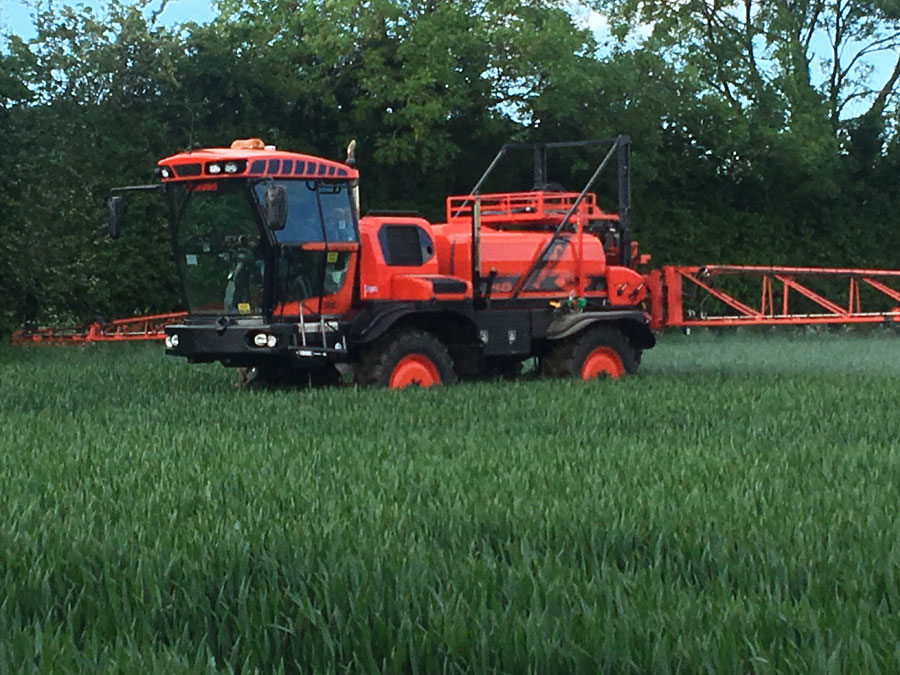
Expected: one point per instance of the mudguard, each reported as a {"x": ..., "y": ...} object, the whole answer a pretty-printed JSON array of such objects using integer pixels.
[
  {"x": 634, "y": 323},
  {"x": 371, "y": 325}
]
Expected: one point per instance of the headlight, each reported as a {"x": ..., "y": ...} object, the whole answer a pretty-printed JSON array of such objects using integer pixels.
[
  {"x": 214, "y": 168},
  {"x": 165, "y": 173},
  {"x": 231, "y": 167},
  {"x": 265, "y": 340},
  {"x": 171, "y": 341}
]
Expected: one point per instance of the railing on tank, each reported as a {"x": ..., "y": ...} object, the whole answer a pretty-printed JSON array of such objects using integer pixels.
[{"x": 524, "y": 208}]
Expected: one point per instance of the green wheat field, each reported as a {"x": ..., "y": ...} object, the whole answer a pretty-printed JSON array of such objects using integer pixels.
[{"x": 730, "y": 509}]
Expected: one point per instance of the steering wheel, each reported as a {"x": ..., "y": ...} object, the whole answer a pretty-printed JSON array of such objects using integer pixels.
[{"x": 242, "y": 240}]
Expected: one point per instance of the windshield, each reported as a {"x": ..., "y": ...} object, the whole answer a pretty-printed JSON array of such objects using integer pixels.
[{"x": 218, "y": 248}]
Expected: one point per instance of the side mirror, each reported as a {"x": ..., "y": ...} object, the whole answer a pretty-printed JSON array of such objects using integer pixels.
[
  {"x": 276, "y": 207},
  {"x": 116, "y": 207}
]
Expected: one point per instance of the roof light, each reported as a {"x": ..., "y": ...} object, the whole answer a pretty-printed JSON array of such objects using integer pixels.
[{"x": 248, "y": 144}]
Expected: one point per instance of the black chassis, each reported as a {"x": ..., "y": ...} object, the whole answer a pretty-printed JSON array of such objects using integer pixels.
[{"x": 500, "y": 331}]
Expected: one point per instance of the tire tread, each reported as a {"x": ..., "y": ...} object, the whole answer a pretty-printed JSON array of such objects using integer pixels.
[
  {"x": 378, "y": 360},
  {"x": 568, "y": 355}
]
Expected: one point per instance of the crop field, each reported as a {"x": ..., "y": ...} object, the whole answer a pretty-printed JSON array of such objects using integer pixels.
[{"x": 730, "y": 509}]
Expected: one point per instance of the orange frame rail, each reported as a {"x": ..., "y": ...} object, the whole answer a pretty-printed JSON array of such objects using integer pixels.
[
  {"x": 777, "y": 287},
  {"x": 151, "y": 327}
]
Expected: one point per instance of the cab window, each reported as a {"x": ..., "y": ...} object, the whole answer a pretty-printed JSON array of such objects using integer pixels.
[{"x": 316, "y": 211}]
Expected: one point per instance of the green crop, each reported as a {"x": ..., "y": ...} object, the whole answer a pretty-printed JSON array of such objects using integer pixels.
[{"x": 731, "y": 508}]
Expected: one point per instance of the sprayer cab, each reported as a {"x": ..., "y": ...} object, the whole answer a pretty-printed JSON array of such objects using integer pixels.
[{"x": 257, "y": 231}]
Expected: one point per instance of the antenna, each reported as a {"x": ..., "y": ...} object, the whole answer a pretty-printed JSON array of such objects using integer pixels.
[{"x": 190, "y": 146}]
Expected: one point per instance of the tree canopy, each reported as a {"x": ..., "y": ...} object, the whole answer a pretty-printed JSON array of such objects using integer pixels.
[{"x": 764, "y": 131}]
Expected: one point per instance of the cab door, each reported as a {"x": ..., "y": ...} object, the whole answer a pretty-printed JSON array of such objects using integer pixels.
[
  {"x": 340, "y": 247},
  {"x": 315, "y": 252}
]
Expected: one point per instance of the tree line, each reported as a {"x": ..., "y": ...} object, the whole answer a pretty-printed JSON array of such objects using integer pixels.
[{"x": 764, "y": 131}]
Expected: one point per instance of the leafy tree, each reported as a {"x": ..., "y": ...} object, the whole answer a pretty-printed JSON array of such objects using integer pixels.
[
  {"x": 785, "y": 139},
  {"x": 85, "y": 104},
  {"x": 760, "y": 55}
]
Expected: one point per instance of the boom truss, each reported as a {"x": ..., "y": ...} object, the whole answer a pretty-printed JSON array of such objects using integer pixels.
[
  {"x": 747, "y": 295},
  {"x": 150, "y": 327}
]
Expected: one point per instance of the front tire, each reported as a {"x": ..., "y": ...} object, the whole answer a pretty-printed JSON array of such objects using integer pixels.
[
  {"x": 405, "y": 358},
  {"x": 601, "y": 351}
]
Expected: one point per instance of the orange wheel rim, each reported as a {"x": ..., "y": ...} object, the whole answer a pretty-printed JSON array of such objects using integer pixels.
[
  {"x": 414, "y": 370},
  {"x": 602, "y": 361}
]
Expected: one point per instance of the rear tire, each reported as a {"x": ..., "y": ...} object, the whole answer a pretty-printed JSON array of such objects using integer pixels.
[
  {"x": 405, "y": 358},
  {"x": 601, "y": 351}
]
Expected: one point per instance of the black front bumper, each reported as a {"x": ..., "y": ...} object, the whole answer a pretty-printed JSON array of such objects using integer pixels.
[{"x": 235, "y": 344}]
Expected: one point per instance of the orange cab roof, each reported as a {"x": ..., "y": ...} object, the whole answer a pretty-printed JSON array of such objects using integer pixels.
[{"x": 210, "y": 163}]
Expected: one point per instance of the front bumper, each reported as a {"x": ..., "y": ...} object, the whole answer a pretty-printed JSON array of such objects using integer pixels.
[{"x": 249, "y": 344}]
